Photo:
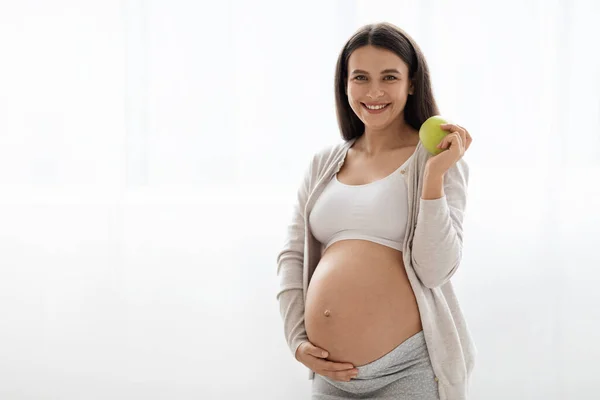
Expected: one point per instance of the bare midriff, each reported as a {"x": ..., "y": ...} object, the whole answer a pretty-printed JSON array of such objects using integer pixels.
[{"x": 359, "y": 303}]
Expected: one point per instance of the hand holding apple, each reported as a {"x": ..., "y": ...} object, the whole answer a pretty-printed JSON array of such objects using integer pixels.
[{"x": 436, "y": 139}]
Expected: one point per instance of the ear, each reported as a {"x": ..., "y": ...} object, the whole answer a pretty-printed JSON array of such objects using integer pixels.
[{"x": 411, "y": 89}]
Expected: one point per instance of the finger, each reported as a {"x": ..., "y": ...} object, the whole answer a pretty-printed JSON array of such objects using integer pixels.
[
  {"x": 463, "y": 139},
  {"x": 455, "y": 143},
  {"x": 458, "y": 130},
  {"x": 340, "y": 375},
  {"x": 443, "y": 142},
  {"x": 464, "y": 129},
  {"x": 457, "y": 139},
  {"x": 447, "y": 140},
  {"x": 468, "y": 141},
  {"x": 315, "y": 351},
  {"x": 335, "y": 366},
  {"x": 452, "y": 127},
  {"x": 344, "y": 376},
  {"x": 469, "y": 138}
]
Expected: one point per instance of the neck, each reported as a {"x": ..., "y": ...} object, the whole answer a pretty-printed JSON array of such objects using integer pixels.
[{"x": 375, "y": 141}]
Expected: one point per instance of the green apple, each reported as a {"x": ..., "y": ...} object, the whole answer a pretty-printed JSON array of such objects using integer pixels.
[{"x": 431, "y": 134}]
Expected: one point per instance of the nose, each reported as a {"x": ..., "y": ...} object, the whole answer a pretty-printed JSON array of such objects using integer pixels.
[{"x": 374, "y": 92}]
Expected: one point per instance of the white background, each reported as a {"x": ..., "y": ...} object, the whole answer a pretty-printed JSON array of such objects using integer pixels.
[{"x": 149, "y": 156}]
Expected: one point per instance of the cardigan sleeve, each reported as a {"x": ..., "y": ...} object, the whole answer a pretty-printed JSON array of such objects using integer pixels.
[
  {"x": 437, "y": 243},
  {"x": 291, "y": 307},
  {"x": 290, "y": 262}
]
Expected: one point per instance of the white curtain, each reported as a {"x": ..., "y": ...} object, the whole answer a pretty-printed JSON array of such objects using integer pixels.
[{"x": 149, "y": 156}]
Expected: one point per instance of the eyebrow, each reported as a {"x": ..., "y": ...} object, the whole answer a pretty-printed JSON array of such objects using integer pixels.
[{"x": 385, "y": 71}]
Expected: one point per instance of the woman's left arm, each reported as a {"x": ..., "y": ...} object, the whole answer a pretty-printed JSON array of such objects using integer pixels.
[{"x": 437, "y": 242}]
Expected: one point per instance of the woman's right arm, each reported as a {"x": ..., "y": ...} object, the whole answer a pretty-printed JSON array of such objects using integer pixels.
[
  {"x": 291, "y": 297},
  {"x": 290, "y": 270},
  {"x": 291, "y": 307}
]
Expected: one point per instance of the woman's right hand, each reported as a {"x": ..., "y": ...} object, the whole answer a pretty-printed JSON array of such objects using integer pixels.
[{"x": 314, "y": 358}]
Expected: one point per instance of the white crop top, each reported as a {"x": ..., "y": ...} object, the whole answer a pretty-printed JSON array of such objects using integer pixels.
[{"x": 375, "y": 211}]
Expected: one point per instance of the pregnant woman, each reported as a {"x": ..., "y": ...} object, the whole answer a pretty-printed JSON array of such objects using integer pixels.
[{"x": 376, "y": 234}]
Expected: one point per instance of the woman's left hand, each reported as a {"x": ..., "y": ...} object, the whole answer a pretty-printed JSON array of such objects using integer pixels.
[{"x": 455, "y": 143}]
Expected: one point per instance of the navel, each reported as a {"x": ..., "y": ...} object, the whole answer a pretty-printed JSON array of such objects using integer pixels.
[{"x": 327, "y": 313}]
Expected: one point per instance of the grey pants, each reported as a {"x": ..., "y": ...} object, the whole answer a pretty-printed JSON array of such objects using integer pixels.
[{"x": 403, "y": 373}]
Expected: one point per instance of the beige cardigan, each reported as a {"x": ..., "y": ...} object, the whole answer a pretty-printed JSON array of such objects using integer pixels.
[{"x": 432, "y": 252}]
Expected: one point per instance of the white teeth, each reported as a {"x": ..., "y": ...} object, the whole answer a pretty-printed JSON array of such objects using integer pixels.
[{"x": 375, "y": 107}]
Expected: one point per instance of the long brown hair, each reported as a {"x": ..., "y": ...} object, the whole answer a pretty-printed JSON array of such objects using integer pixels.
[{"x": 419, "y": 106}]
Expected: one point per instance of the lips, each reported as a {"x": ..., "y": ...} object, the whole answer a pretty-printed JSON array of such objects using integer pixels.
[{"x": 375, "y": 111}]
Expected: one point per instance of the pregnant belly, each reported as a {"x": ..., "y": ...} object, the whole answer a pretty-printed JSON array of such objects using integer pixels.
[{"x": 359, "y": 303}]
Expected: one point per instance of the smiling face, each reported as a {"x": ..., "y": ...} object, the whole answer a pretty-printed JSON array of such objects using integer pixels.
[{"x": 378, "y": 77}]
